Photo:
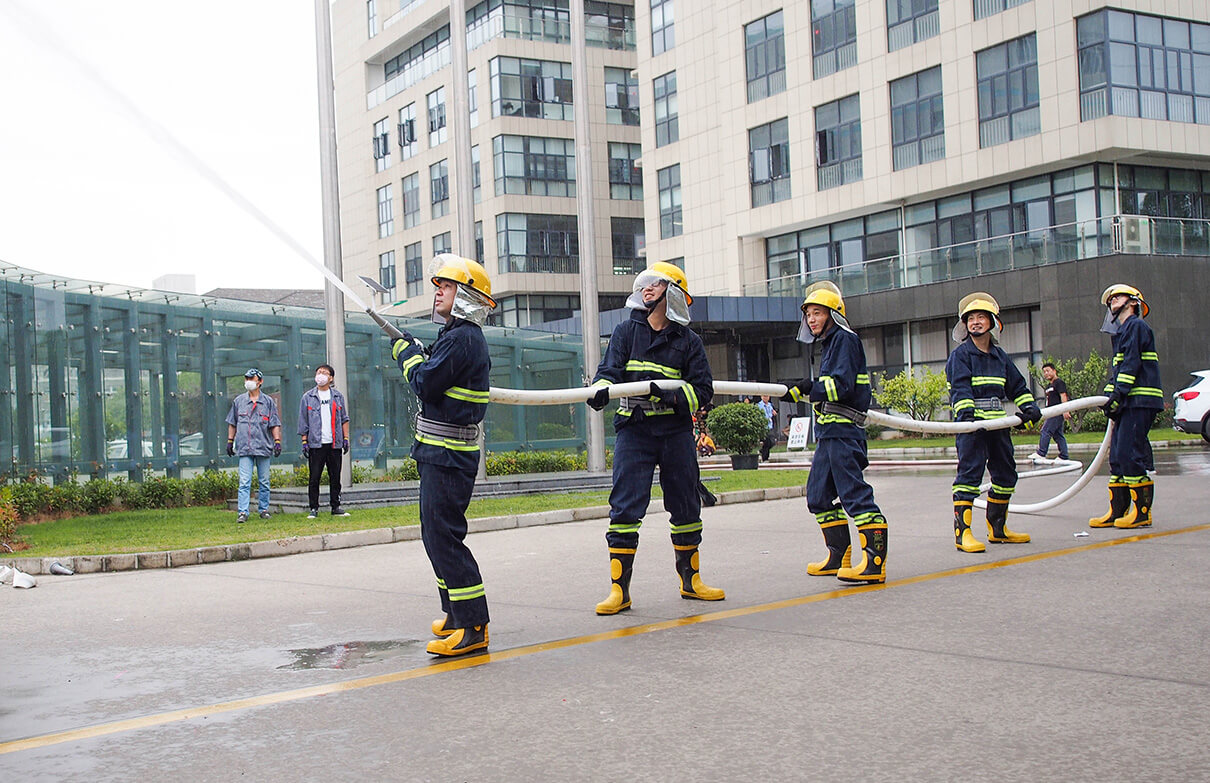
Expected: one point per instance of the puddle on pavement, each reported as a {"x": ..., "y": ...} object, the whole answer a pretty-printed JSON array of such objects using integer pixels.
[{"x": 348, "y": 655}]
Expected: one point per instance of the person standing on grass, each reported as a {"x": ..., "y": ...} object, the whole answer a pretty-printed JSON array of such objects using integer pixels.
[
  {"x": 253, "y": 435},
  {"x": 323, "y": 423}
]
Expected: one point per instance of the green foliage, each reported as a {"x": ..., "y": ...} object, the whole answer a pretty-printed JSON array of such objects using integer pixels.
[
  {"x": 213, "y": 486},
  {"x": 8, "y": 518},
  {"x": 1163, "y": 420},
  {"x": 917, "y": 394},
  {"x": 97, "y": 496},
  {"x": 548, "y": 430},
  {"x": 1093, "y": 421},
  {"x": 162, "y": 492},
  {"x": 408, "y": 471},
  {"x": 737, "y": 427},
  {"x": 1085, "y": 379},
  {"x": 513, "y": 463},
  {"x": 362, "y": 474},
  {"x": 30, "y": 497}
]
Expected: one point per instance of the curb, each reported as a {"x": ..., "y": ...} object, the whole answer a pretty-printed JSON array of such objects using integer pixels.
[{"x": 297, "y": 545}]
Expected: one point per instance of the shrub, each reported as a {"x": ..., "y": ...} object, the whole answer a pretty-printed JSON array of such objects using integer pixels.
[
  {"x": 8, "y": 518},
  {"x": 737, "y": 427},
  {"x": 550, "y": 431},
  {"x": 362, "y": 474},
  {"x": 918, "y": 397},
  {"x": 30, "y": 497},
  {"x": 1094, "y": 421},
  {"x": 97, "y": 496},
  {"x": 161, "y": 492},
  {"x": 408, "y": 471},
  {"x": 213, "y": 486},
  {"x": 1163, "y": 420}
]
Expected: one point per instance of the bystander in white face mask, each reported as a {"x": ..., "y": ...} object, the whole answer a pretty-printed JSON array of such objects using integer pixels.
[{"x": 250, "y": 385}]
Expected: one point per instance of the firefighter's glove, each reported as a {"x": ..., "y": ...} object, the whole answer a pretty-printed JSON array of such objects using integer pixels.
[
  {"x": 673, "y": 398},
  {"x": 1030, "y": 415},
  {"x": 344, "y": 449},
  {"x": 599, "y": 400},
  {"x": 1113, "y": 408},
  {"x": 965, "y": 415},
  {"x": 230, "y": 447},
  {"x": 790, "y": 392},
  {"x": 277, "y": 448}
]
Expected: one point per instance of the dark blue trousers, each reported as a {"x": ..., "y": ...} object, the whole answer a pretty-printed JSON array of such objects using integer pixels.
[
  {"x": 444, "y": 495},
  {"x": 1130, "y": 454},
  {"x": 636, "y": 453},
  {"x": 990, "y": 450},
  {"x": 836, "y": 474},
  {"x": 1052, "y": 428}
]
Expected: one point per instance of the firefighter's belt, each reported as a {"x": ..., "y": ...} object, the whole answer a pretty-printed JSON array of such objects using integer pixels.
[
  {"x": 989, "y": 403},
  {"x": 440, "y": 429},
  {"x": 643, "y": 404},
  {"x": 836, "y": 409}
]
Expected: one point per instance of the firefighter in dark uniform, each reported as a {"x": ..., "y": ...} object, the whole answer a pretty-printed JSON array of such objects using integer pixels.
[
  {"x": 655, "y": 343},
  {"x": 1135, "y": 397},
  {"x": 451, "y": 381},
  {"x": 981, "y": 377},
  {"x": 835, "y": 485}
]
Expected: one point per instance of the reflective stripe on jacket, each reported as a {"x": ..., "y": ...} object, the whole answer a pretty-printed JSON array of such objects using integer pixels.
[
  {"x": 972, "y": 374},
  {"x": 1135, "y": 369}
]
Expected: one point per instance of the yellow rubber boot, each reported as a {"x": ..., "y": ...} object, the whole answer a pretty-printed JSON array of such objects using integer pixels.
[
  {"x": 1139, "y": 514},
  {"x": 997, "y": 523},
  {"x": 460, "y": 642},
  {"x": 621, "y": 563},
  {"x": 443, "y": 627},
  {"x": 1119, "y": 502},
  {"x": 964, "y": 539},
  {"x": 836, "y": 538},
  {"x": 692, "y": 585},
  {"x": 872, "y": 568}
]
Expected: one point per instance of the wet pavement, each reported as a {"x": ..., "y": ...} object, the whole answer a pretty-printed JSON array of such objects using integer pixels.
[{"x": 1069, "y": 658}]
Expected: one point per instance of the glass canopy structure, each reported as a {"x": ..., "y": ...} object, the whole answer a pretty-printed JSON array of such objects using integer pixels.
[{"x": 100, "y": 378}]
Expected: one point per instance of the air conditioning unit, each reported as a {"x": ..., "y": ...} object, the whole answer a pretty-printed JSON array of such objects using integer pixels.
[{"x": 1136, "y": 235}]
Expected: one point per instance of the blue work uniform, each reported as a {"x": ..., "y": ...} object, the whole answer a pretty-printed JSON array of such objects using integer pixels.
[
  {"x": 254, "y": 423},
  {"x": 651, "y": 433},
  {"x": 452, "y": 384},
  {"x": 1135, "y": 372},
  {"x": 836, "y": 480},
  {"x": 981, "y": 382},
  {"x": 320, "y": 453}
]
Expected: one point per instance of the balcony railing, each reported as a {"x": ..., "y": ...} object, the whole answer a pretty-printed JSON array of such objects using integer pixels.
[{"x": 1120, "y": 234}]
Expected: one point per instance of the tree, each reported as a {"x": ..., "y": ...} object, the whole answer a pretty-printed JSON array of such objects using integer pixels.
[
  {"x": 1086, "y": 380},
  {"x": 918, "y": 397}
]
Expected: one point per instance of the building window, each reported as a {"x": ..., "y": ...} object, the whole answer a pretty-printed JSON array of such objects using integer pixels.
[
  {"x": 472, "y": 98},
  {"x": 765, "y": 56},
  {"x": 910, "y": 21},
  {"x": 386, "y": 213},
  {"x": 479, "y": 241},
  {"x": 838, "y": 142},
  {"x": 1134, "y": 65},
  {"x": 411, "y": 200},
  {"x": 476, "y": 183},
  {"x": 841, "y": 252},
  {"x": 534, "y": 166},
  {"x": 917, "y": 119},
  {"x": 386, "y": 272},
  {"x": 413, "y": 269},
  {"x": 437, "y": 131},
  {"x": 548, "y": 244},
  {"x": 408, "y": 146},
  {"x": 986, "y": 8},
  {"x": 1008, "y": 91},
  {"x": 382, "y": 145},
  {"x": 667, "y": 128},
  {"x": 669, "y": 181},
  {"x": 420, "y": 60},
  {"x": 833, "y": 36},
  {"x": 662, "y": 37},
  {"x": 531, "y": 88},
  {"x": 534, "y": 20},
  {"x": 609, "y": 25},
  {"x": 441, "y": 244},
  {"x": 625, "y": 175},
  {"x": 769, "y": 162},
  {"x": 530, "y": 309},
  {"x": 629, "y": 241},
  {"x": 372, "y": 17},
  {"x": 439, "y": 188},
  {"x": 621, "y": 97}
]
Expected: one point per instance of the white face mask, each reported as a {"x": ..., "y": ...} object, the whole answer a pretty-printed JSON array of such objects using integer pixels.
[
  {"x": 250, "y": 385},
  {"x": 321, "y": 379}
]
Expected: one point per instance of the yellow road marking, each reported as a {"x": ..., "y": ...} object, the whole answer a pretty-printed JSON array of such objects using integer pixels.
[{"x": 115, "y": 727}]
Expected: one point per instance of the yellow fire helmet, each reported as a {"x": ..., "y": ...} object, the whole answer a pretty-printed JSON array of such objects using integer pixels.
[
  {"x": 825, "y": 294},
  {"x": 979, "y": 301},
  {"x": 1135, "y": 294},
  {"x": 473, "y": 301},
  {"x": 677, "y": 294}
]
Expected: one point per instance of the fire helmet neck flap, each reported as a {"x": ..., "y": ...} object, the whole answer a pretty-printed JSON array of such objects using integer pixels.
[
  {"x": 825, "y": 294},
  {"x": 473, "y": 301},
  {"x": 676, "y": 293},
  {"x": 979, "y": 301},
  {"x": 1111, "y": 322}
]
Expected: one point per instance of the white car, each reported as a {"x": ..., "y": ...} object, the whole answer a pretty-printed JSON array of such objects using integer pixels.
[{"x": 1192, "y": 406}]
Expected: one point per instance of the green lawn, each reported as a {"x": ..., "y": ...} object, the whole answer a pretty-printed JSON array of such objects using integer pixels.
[{"x": 158, "y": 530}]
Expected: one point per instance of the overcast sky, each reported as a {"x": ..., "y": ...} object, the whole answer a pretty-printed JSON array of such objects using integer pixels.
[{"x": 86, "y": 192}]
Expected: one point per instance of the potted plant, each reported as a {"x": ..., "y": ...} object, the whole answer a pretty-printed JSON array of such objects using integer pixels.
[{"x": 739, "y": 428}]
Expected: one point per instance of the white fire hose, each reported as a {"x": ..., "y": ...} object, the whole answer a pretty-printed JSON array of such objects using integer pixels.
[{"x": 740, "y": 388}]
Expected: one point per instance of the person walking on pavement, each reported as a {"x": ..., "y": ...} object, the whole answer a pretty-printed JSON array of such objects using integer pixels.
[
  {"x": 1135, "y": 398},
  {"x": 253, "y": 435},
  {"x": 981, "y": 377},
  {"x": 770, "y": 439},
  {"x": 323, "y": 424},
  {"x": 451, "y": 380},
  {"x": 1056, "y": 393},
  {"x": 836, "y": 483},
  {"x": 655, "y": 429}
]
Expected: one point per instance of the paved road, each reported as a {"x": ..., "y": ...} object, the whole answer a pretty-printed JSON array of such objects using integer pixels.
[{"x": 1066, "y": 659}]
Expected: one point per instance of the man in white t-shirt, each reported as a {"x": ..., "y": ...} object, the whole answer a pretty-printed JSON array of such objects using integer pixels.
[{"x": 323, "y": 424}]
